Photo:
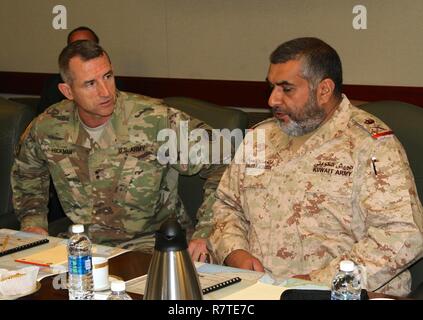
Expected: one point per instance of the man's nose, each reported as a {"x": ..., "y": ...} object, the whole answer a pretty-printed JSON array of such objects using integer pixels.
[
  {"x": 275, "y": 97},
  {"x": 102, "y": 89}
]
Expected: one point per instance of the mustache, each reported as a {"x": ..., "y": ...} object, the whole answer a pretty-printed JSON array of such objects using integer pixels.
[
  {"x": 284, "y": 111},
  {"x": 281, "y": 110},
  {"x": 310, "y": 111}
]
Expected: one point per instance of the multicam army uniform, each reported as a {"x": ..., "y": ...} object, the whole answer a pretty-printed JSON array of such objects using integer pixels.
[
  {"x": 308, "y": 209},
  {"x": 115, "y": 185}
]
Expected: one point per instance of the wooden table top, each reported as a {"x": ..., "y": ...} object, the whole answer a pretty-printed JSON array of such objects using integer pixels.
[{"x": 126, "y": 266}]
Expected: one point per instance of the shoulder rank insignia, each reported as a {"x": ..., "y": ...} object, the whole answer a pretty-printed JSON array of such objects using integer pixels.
[
  {"x": 377, "y": 130},
  {"x": 375, "y": 127}
]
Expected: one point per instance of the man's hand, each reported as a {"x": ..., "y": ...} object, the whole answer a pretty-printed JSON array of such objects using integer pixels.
[
  {"x": 36, "y": 230},
  {"x": 244, "y": 260},
  {"x": 198, "y": 250}
]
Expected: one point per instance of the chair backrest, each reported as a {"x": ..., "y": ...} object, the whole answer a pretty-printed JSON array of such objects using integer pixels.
[
  {"x": 406, "y": 120},
  {"x": 14, "y": 118},
  {"x": 190, "y": 188}
]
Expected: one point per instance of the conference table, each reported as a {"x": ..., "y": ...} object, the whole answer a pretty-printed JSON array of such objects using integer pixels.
[{"x": 125, "y": 266}]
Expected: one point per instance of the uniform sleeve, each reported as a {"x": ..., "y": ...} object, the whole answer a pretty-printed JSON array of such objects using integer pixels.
[
  {"x": 199, "y": 152},
  {"x": 385, "y": 202},
  {"x": 30, "y": 182},
  {"x": 230, "y": 225},
  {"x": 204, "y": 224}
]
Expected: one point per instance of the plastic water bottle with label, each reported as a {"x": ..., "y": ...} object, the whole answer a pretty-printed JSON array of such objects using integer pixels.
[
  {"x": 80, "y": 284},
  {"x": 118, "y": 291},
  {"x": 346, "y": 284}
]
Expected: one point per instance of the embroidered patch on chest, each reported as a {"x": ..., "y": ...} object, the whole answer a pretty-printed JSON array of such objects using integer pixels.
[
  {"x": 64, "y": 151},
  {"x": 268, "y": 164},
  {"x": 259, "y": 167},
  {"x": 133, "y": 149},
  {"x": 333, "y": 168}
]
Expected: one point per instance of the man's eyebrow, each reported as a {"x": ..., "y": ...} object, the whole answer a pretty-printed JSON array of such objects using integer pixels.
[
  {"x": 284, "y": 83},
  {"x": 280, "y": 83},
  {"x": 93, "y": 80}
]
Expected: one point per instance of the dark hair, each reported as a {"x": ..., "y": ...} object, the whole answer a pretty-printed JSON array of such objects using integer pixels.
[
  {"x": 85, "y": 49},
  {"x": 83, "y": 28},
  {"x": 320, "y": 60}
]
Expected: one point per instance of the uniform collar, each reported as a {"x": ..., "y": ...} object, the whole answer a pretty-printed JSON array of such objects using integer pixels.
[{"x": 115, "y": 132}]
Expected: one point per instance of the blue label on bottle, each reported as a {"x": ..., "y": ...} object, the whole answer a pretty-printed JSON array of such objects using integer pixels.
[{"x": 79, "y": 265}]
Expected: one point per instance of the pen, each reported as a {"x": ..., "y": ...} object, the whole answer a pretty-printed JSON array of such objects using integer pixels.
[
  {"x": 374, "y": 165},
  {"x": 6, "y": 240}
]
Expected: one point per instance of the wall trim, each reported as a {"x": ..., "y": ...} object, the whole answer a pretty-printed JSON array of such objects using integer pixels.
[{"x": 244, "y": 94}]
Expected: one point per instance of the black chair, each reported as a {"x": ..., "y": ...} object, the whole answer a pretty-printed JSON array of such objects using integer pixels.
[
  {"x": 14, "y": 118},
  {"x": 190, "y": 188}
]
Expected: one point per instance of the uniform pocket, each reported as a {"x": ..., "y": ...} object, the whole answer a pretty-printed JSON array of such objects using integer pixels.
[
  {"x": 254, "y": 191},
  {"x": 70, "y": 179},
  {"x": 327, "y": 204},
  {"x": 139, "y": 184}
]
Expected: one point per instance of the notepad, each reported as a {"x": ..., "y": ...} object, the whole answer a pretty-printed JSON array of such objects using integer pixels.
[
  {"x": 11, "y": 243},
  {"x": 258, "y": 291},
  {"x": 47, "y": 258}
]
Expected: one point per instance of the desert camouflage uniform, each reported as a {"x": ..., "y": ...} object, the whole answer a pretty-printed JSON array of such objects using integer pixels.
[
  {"x": 309, "y": 209},
  {"x": 115, "y": 185}
]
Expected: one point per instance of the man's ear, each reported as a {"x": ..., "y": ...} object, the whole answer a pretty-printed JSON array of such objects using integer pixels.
[
  {"x": 66, "y": 90},
  {"x": 325, "y": 91}
]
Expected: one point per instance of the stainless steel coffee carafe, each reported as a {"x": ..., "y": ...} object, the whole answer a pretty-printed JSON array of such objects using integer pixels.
[{"x": 172, "y": 275}]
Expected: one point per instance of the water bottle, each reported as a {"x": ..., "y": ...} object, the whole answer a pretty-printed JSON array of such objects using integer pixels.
[
  {"x": 80, "y": 284},
  {"x": 346, "y": 285},
  {"x": 118, "y": 291}
]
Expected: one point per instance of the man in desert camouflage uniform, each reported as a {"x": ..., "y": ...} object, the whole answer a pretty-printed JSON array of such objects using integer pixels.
[
  {"x": 335, "y": 184},
  {"x": 101, "y": 149}
]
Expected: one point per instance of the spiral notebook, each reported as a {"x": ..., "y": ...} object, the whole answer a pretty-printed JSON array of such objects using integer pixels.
[
  {"x": 11, "y": 243},
  {"x": 208, "y": 282},
  {"x": 221, "y": 285}
]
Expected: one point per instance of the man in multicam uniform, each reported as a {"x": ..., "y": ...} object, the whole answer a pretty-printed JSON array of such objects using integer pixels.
[
  {"x": 335, "y": 184},
  {"x": 101, "y": 149}
]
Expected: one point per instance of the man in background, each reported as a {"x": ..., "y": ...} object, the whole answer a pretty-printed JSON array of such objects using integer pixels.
[{"x": 51, "y": 93}]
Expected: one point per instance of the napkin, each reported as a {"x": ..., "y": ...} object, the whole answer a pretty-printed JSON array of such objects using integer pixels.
[{"x": 18, "y": 282}]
